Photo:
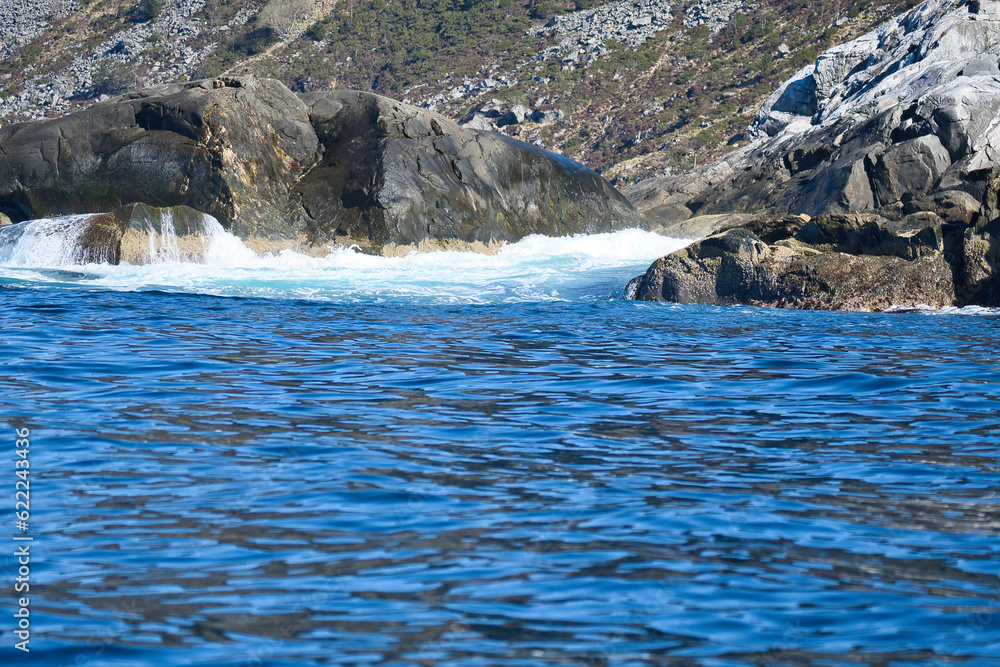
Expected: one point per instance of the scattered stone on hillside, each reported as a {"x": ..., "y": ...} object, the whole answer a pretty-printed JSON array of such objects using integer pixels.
[
  {"x": 495, "y": 115},
  {"x": 836, "y": 262},
  {"x": 584, "y": 34},
  {"x": 175, "y": 33},
  {"x": 906, "y": 111},
  {"x": 23, "y": 20},
  {"x": 716, "y": 14}
]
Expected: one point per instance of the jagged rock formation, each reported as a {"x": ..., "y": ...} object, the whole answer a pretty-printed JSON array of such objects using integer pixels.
[
  {"x": 336, "y": 166},
  {"x": 837, "y": 262},
  {"x": 900, "y": 125},
  {"x": 903, "y": 119}
]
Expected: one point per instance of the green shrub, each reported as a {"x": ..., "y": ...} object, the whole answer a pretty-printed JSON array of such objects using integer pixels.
[
  {"x": 317, "y": 31},
  {"x": 145, "y": 11},
  {"x": 110, "y": 77},
  {"x": 254, "y": 42}
]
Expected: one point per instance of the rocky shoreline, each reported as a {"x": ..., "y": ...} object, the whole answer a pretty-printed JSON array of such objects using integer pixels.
[{"x": 835, "y": 262}]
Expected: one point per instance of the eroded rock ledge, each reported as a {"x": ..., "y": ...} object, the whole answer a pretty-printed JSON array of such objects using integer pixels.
[{"x": 860, "y": 262}]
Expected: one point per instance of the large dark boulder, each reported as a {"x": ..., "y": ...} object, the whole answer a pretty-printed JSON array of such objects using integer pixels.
[
  {"x": 394, "y": 173},
  {"x": 230, "y": 147},
  {"x": 340, "y": 166}
]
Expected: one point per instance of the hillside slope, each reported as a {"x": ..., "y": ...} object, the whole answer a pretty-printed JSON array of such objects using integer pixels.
[
  {"x": 631, "y": 88},
  {"x": 900, "y": 120}
]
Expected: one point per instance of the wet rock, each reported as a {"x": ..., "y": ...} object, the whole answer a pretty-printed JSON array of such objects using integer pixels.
[
  {"x": 841, "y": 262},
  {"x": 230, "y": 147},
  {"x": 127, "y": 234}
]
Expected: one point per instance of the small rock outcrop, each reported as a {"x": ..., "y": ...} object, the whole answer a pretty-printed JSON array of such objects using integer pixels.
[
  {"x": 135, "y": 233},
  {"x": 904, "y": 116},
  {"x": 833, "y": 262},
  {"x": 335, "y": 166}
]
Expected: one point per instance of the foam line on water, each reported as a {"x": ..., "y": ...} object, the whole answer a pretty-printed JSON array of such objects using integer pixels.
[{"x": 536, "y": 268}]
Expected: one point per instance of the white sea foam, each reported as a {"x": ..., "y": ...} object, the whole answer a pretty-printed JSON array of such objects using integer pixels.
[
  {"x": 42, "y": 243},
  {"x": 536, "y": 268}
]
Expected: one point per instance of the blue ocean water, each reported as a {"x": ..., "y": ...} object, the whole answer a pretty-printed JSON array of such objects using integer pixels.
[{"x": 454, "y": 459}]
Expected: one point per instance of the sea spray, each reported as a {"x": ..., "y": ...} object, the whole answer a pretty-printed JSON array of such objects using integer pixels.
[
  {"x": 534, "y": 269},
  {"x": 53, "y": 242},
  {"x": 160, "y": 236}
]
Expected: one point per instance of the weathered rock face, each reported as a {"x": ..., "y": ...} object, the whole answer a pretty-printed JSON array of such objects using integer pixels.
[
  {"x": 338, "y": 166},
  {"x": 229, "y": 147},
  {"x": 906, "y": 113},
  {"x": 392, "y": 173},
  {"x": 838, "y": 262}
]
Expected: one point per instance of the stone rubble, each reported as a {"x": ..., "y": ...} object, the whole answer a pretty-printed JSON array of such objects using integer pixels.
[
  {"x": 584, "y": 34},
  {"x": 495, "y": 115},
  {"x": 23, "y": 20},
  {"x": 174, "y": 32},
  {"x": 584, "y": 39},
  {"x": 716, "y": 14}
]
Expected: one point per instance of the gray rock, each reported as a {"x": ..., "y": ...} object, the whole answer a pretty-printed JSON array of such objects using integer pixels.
[
  {"x": 905, "y": 110},
  {"x": 716, "y": 14},
  {"x": 837, "y": 263},
  {"x": 230, "y": 147},
  {"x": 479, "y": 122},
  {"x": 338, "y": 166},
  {"x": 584, "y": 33},
  {"x": 396, "y": 174},
  {"x": 516, "y": 115},
  {"x": 911, "y": 167}
]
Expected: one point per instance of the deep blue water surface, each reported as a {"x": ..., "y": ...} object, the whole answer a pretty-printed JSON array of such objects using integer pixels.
[{"x": 587, "y": 481}]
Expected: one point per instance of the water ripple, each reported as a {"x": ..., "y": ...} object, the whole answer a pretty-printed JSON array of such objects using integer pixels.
[{"x": 244, "y": 481}]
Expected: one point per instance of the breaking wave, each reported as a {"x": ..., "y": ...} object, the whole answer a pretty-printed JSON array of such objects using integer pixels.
[{"x": 537, "y": 268}]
